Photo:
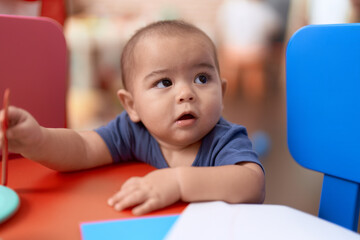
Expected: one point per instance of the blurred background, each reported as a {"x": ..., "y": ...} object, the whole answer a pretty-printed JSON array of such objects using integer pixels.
[{"x": 251, "y": 37}]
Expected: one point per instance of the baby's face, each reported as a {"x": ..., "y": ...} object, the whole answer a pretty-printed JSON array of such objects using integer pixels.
[{"x": 176, "y": 88}]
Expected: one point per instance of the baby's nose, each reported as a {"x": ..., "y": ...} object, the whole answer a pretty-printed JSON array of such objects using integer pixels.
[
  {"x": 189, "y": 98},
  {"x": 186, "y": 95}
]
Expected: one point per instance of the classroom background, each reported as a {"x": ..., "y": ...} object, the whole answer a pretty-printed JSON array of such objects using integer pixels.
[{"x": 251, "y": 36}]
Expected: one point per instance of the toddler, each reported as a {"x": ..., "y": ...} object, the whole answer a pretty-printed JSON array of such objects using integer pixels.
[{"x": 172, "y": 97}]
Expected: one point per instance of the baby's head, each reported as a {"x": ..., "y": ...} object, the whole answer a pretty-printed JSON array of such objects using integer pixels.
[
  {"x": 162, "y": 28},
  {"x": 172, "y": 82}
]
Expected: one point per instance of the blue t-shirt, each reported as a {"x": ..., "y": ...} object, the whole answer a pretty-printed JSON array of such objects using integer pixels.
[{"x": 225, "y": 144}]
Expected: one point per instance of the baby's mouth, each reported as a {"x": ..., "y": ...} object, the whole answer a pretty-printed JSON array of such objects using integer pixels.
[
  {"x": 186, "y": 117},
  {"x": 186, "y": 120}
]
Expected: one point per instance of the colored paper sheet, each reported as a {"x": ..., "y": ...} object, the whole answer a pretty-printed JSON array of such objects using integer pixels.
[
  {"x": 152, "y": 228},
  {"x": 220, "y": 220}
]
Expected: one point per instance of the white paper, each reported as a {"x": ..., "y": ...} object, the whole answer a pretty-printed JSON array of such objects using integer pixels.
[{"x": 219, "y": 220}]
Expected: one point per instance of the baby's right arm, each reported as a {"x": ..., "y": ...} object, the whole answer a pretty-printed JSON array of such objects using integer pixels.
[{"x": 59, "y": 149}]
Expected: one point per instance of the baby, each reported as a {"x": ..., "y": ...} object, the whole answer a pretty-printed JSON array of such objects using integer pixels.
[{"x": 172, "y": 120}]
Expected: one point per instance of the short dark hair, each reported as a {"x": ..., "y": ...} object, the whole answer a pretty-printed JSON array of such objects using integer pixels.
[{"x": 171, "y": 27}]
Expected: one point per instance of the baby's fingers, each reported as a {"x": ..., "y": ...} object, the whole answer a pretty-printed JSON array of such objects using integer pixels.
[
  {"x": 129, "y": 186},
  {"x": 2, "y": 115},
  {"x": 130, "y": 200},
  {"x": 1, "y": 138},
  {"x": 117, "y": 197},
  {"x": 148, "y": 206}
]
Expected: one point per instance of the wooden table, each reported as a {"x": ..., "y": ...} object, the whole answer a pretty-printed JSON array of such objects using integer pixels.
[{"x": 52, "y": 204}]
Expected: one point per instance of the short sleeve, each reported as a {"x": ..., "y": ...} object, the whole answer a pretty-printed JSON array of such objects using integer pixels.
[
  {"x": 118, "y": 137},
  {"x": 129, "y": 141},
  {"x": 236, "y": 148},
  {"x": 226, "y": 144}
]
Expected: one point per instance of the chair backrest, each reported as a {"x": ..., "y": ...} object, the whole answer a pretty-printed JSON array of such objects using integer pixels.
[
  {"x": 323, "y": 113},
  {"x": 33, "y": 64}
]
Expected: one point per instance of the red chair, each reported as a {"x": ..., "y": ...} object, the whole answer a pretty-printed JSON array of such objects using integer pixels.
[{"x": 33, "y": 64}]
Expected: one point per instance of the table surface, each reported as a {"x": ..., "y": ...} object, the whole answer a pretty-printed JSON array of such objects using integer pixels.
[{"x": 52, "y": 204}]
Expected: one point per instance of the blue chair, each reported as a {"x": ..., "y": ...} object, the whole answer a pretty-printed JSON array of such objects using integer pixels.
[{"x": 323, "y": 114}]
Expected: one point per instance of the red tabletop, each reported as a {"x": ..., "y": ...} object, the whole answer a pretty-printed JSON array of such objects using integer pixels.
[{"x": 52, "y": 204}]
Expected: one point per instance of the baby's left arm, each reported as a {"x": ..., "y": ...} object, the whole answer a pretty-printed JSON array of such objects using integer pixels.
[{"x": 242, "y": 183}]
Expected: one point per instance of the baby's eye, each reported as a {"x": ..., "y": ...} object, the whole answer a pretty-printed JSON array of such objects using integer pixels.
[
  {"x": 163, "y": 83},
  {"x": 201, "y": 79}
]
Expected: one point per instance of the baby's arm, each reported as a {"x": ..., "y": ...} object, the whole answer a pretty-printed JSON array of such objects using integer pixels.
[
  {"x": 243, "y": 183},
  {"x": 59, "y": 149}
]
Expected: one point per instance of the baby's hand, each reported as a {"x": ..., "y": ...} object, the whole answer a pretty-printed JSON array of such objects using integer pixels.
[
  {"x": 23, "y": 132},
  {"x": 156, "y": 190}
]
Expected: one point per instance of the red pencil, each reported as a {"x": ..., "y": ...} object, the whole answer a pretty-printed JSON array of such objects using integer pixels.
[{"x": 5, "y": 141}]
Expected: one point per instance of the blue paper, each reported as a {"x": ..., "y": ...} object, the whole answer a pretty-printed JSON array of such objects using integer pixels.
[{"x": 135, "y": 228}]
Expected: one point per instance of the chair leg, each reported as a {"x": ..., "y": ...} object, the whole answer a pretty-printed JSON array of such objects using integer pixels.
[{"x": 340, "y": 201}]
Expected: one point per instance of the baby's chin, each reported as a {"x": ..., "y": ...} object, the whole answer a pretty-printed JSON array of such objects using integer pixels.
[{"x": 186, "y": 139}]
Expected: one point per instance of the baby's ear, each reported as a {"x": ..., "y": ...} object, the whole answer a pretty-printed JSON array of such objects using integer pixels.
[{"x": 127, "y": 101}]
